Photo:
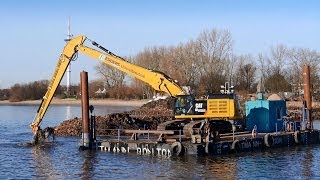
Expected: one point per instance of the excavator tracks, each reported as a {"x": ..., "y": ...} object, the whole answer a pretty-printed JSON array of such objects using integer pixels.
[
  {"x": 172, "y": 125},
  {"x": 190, "y": 128},
  {"x": 187, "y": 126}
]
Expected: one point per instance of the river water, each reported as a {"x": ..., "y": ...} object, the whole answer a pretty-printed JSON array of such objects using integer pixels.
[{"x": 63, "y": 160}]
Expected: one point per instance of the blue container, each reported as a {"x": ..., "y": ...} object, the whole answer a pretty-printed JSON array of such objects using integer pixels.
[{"x": 267, "y": 115}]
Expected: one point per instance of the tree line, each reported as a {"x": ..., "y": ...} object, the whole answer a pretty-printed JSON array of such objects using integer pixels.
[
  {"x": 203, "y": 64},
  {"x": 208, "y": 61},
  {"x": 28, "y": 91},
  {"x": 36, "y": 90}
]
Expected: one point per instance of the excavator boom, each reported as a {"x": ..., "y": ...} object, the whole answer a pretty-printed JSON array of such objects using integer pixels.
[
  {"x": 157, "y": 80},
  {"x": 68, "y": 53}
]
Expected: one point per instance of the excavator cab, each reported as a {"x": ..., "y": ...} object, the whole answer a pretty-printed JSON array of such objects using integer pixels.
[{"x": 184, "y": 105}]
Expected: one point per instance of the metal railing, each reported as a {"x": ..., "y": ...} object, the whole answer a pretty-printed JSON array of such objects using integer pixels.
[{"x": 134, "y": 134}]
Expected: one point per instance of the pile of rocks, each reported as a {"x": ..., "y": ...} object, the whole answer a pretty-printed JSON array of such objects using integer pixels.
[
  {"x": 294, "y": 110},
  {"x": 147, "y": 116},
  {"x": 72, "y": 127},
  {"x": 161, "y": 107}
]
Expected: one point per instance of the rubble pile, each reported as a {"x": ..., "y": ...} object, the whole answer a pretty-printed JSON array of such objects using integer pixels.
[
  {"x": 72, "y": 127},
  {"x": 294, "y": 110},
  {"x": 159, "y": 108},
  {"x": 147, "y": 116}
]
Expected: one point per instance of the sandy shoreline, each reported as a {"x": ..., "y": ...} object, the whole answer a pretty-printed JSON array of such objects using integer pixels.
[{"x": 106, "y": 102}]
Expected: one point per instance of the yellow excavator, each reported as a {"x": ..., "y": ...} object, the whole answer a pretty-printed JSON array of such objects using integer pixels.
[{"x": 214, "y": 107}]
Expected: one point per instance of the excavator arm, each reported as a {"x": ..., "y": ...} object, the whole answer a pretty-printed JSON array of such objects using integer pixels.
[
  {"x": 157, "y": 80},
  {"x": 69, "y": 52}
]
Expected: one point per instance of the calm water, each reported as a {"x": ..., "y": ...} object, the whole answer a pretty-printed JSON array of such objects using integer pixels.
[{"x": 62, "y": 160}]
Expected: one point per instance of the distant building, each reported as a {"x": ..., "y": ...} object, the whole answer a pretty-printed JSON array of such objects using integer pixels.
[{"x": 101, "y": 93}]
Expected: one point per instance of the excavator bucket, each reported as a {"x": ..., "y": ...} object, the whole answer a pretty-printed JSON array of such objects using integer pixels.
[{"x": 42, "y": 135}]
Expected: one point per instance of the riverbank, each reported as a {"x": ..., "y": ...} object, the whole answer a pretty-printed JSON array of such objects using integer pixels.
[{"x": 99, "y": 102}]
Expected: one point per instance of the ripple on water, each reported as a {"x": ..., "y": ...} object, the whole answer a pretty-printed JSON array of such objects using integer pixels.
[{"x": 63, "y": 160}]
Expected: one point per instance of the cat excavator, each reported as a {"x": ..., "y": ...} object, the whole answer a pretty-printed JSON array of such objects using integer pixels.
[{"x": 213, "y": 107}]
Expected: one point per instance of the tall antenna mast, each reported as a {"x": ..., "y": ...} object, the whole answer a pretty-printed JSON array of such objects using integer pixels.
[{"x": 69, "y": 36}]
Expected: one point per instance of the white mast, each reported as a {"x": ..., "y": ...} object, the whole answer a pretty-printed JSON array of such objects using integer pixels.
[{"x": 69, "y": 36}]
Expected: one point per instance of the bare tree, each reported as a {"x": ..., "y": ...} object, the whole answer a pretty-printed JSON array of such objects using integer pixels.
[
  {"x": 215, "y": 52},
  {"x": 278, "y": 59},
  {"x": 264, "y": 65},
  {"x": 150, "y": 58},
  {"x": 298, "y": 57},
  {"x": 111, "y": 76},
  {"x": 273, "y": 67},
  {"x": 184, "y": 63},
  {"x": 245, "y": 73},
  {"x": 94, "y": 86},
  {"x": 142, "y": 90}
]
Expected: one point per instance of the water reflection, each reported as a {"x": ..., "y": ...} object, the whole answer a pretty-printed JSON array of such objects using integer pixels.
[
  {"x": 68, "y": 112},
  {"x": 88, "y": 166},
  {"x": 307, "y": 163},
  {"x": 222, "y": 168},
  {"x": 197, "y": 167},
  {"x": 44, "y": 167}
]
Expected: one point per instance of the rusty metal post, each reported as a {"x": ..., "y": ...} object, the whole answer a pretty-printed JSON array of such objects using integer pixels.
[
  {"x": 307, "y": 94},
  {"x": 85, "y": 109}
]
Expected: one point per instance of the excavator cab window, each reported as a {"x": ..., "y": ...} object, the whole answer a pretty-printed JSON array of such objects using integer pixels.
[{"x": 184, "y": 105}]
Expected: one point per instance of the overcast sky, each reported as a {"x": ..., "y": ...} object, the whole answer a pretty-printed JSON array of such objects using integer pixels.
[{"x": 32, "y": 32}]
